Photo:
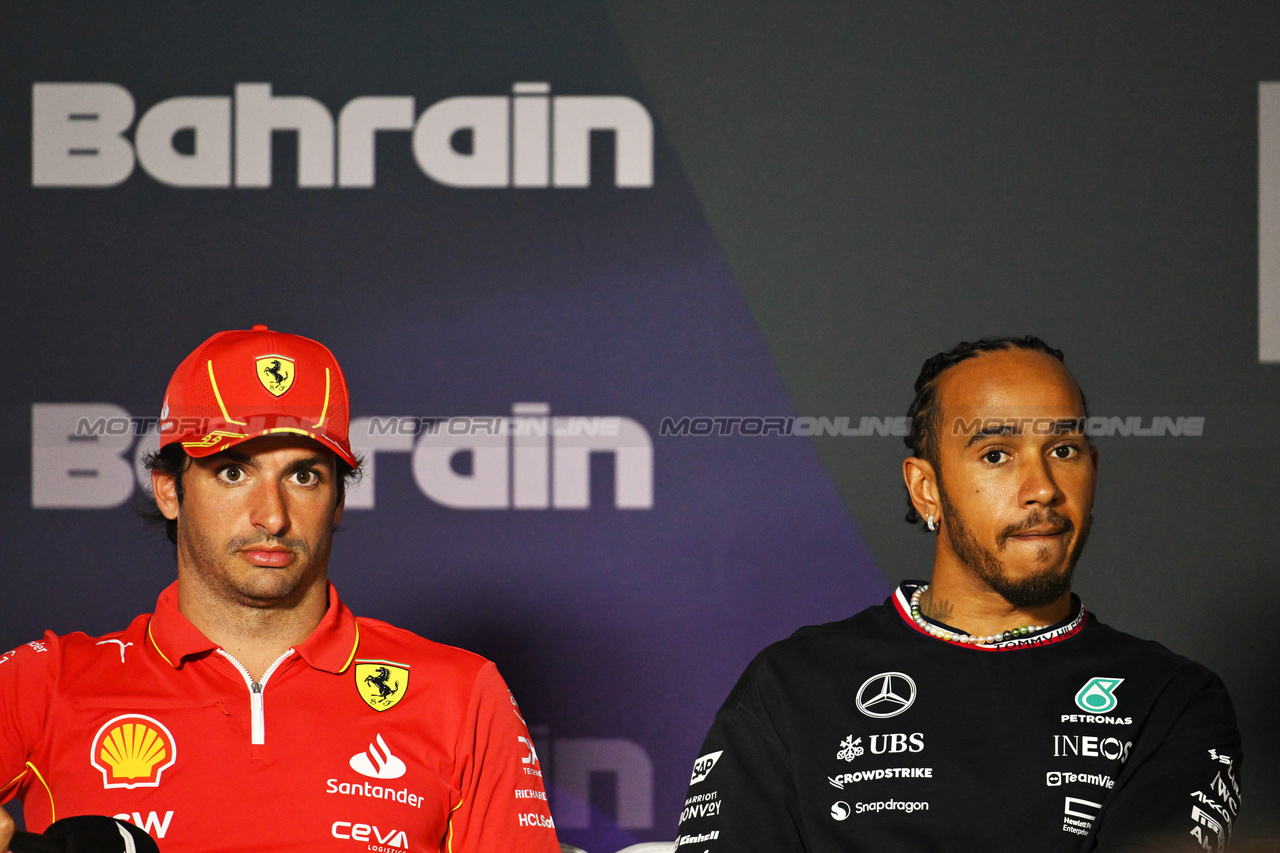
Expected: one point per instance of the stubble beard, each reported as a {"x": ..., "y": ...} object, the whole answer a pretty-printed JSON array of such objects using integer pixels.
[
  {"x": 1035, "y": 590},
  {"x": 262, "y": 587}
]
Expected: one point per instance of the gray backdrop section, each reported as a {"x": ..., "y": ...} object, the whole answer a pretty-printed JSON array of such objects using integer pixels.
[{"x": 889, "y": 178}]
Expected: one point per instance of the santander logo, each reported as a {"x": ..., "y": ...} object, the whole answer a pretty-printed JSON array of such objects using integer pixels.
[{"x": 378, "y": 762}]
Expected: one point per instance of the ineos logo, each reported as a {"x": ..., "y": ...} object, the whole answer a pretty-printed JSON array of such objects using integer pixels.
[{"x": 886, "y": 695}]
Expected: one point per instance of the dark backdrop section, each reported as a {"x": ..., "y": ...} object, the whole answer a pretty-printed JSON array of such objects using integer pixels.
[
  {"x": 619, "y": 627},
  {"x": 888, "y": 179},
  {"x": 839, "y": 191}
]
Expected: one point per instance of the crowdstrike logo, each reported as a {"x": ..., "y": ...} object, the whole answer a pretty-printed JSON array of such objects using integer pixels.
[
  {"x": 886, "y": 695},
  {"x": 378, "y": 762},
  {"x": 529, "y": 139}
]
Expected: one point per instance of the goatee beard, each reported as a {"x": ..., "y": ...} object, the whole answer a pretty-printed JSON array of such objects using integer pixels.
[{"x": 1037, "y": 590}]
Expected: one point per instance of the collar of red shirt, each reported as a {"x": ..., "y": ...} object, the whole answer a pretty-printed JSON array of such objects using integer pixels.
[{"x": 331, "y": 646}]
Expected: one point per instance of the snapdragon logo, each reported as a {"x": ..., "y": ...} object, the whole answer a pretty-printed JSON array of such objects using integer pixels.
[{"x": 529, "y": 138}]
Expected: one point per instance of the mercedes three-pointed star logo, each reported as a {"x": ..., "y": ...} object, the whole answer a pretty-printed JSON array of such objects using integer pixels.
[{"x": 886, "y": 695}]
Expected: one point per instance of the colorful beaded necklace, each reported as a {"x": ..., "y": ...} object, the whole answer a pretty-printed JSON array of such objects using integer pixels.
[{"x": 957, "y": 637}]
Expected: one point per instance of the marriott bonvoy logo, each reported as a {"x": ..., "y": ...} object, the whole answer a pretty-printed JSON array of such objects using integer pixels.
[{"x": 528, "y": 139}]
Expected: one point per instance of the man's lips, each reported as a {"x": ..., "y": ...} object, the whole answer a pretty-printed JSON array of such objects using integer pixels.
[
  {"x": 274, "y": 558},
  {"x": 1046, "y": 533}
]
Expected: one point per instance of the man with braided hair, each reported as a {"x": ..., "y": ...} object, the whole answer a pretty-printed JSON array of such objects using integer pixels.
[{"x": 985, "y": 709}]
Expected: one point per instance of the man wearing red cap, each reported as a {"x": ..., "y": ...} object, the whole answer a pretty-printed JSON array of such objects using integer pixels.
[{"x": 252, "y": 711}]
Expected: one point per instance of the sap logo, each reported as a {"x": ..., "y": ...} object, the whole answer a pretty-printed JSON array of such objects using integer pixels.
[
  {"x": 394, "y": 838},
  {"x": 152, "y": 824},
  {"x": 702, "y": 767},
  {"x": 1090, "y": 746},
  {"x": 528, "y": 139},
  {"x": 80, "y": 457}
]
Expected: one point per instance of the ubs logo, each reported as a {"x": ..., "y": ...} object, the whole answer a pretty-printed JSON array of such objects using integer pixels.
[{"x": 886, "y": 695}]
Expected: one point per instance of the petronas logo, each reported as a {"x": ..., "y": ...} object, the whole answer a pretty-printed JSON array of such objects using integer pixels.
[{"x": 1098, "y": 695}]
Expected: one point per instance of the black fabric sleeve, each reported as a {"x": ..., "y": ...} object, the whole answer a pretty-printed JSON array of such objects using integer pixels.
[
  {"x": 1180, "y": 790},
  {"x": 742, "y": 794}
]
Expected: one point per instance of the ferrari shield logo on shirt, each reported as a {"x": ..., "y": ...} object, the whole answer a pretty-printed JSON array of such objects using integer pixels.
[
  {"x": 381, "y": 684},
  {"x": 132, "y": 751},
  {"x": 1097, "y": 696},
  {"x": 275, "y": 372}
]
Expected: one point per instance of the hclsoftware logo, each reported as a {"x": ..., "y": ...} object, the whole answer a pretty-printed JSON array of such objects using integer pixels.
[{"x": 529, "y": 139}]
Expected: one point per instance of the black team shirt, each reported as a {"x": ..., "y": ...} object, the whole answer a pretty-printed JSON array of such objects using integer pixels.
[{"x": 871, "y": 735}]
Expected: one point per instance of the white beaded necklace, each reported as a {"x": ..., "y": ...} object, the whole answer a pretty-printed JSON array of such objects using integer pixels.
[{"x": 957, "y": 637}]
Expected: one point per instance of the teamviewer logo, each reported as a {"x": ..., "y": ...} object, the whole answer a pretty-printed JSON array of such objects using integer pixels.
[{"x": 1053, "y": 779}]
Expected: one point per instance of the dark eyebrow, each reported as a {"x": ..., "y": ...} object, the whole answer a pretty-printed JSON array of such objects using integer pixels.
[
  {"x": 1003, "y": 429},
  {"x": 305, "y": 462},
  {"x": 1062, "y": 426}
]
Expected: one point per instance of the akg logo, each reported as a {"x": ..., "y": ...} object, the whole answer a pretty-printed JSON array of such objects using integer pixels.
[
  {"x": 886, "y": 695},
  {"x": 702, "y": 767},
  {"x": 1098, "y": 696}
]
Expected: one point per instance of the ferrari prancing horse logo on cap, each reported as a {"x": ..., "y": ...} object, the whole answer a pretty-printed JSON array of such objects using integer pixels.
[
  {"x": 275, "y": 372},
  {"x": 381, "y": 683}
]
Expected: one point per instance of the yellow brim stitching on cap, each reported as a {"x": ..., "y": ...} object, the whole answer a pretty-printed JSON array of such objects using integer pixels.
[
  {"x": 218, "y": 397},
  {"x": 293, "y": 430},
  {"x": 324, "y": 410}
]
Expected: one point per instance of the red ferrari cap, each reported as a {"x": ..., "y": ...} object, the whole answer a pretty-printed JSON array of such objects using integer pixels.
[{"x": 240, "y": 385}]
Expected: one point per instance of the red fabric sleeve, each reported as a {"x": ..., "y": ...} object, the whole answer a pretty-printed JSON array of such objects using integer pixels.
[
  {"x": 502, "y": 804},
  {"x": 27, "y": 677}
]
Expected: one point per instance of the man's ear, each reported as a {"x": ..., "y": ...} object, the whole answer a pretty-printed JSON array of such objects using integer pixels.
[
  {"x": 165, "y": 488},
  {"x": 337, "y": 510},
  {"x": 922, "y": 486}
]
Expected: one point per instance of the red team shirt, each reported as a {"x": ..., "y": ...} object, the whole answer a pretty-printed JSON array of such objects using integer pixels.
[{"x": 363, "y": 738}]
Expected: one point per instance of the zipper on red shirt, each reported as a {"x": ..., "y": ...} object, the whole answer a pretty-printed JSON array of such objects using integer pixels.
[{"x": 258, "y": 718}]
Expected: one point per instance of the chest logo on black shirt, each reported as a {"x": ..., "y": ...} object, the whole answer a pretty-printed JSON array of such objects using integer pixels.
[
  {"x": 132, "y": 751},
  {"x": 380, "y": 683},
  {"x": 886, "y": 695},
  {"x": 1098, "y": 695}
]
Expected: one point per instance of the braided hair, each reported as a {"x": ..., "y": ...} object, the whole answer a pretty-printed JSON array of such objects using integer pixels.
[{"x": 922, "y": 440}]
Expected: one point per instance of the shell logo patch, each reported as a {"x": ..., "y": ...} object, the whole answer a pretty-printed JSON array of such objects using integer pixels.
[
  {"x": 380, "y": 683},
  {"x": 276, "y": 373},
  {"x": 132, "y": 751}
]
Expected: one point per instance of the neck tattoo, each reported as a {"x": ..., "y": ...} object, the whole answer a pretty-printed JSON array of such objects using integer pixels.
[{"x": 957, "y": 637}]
